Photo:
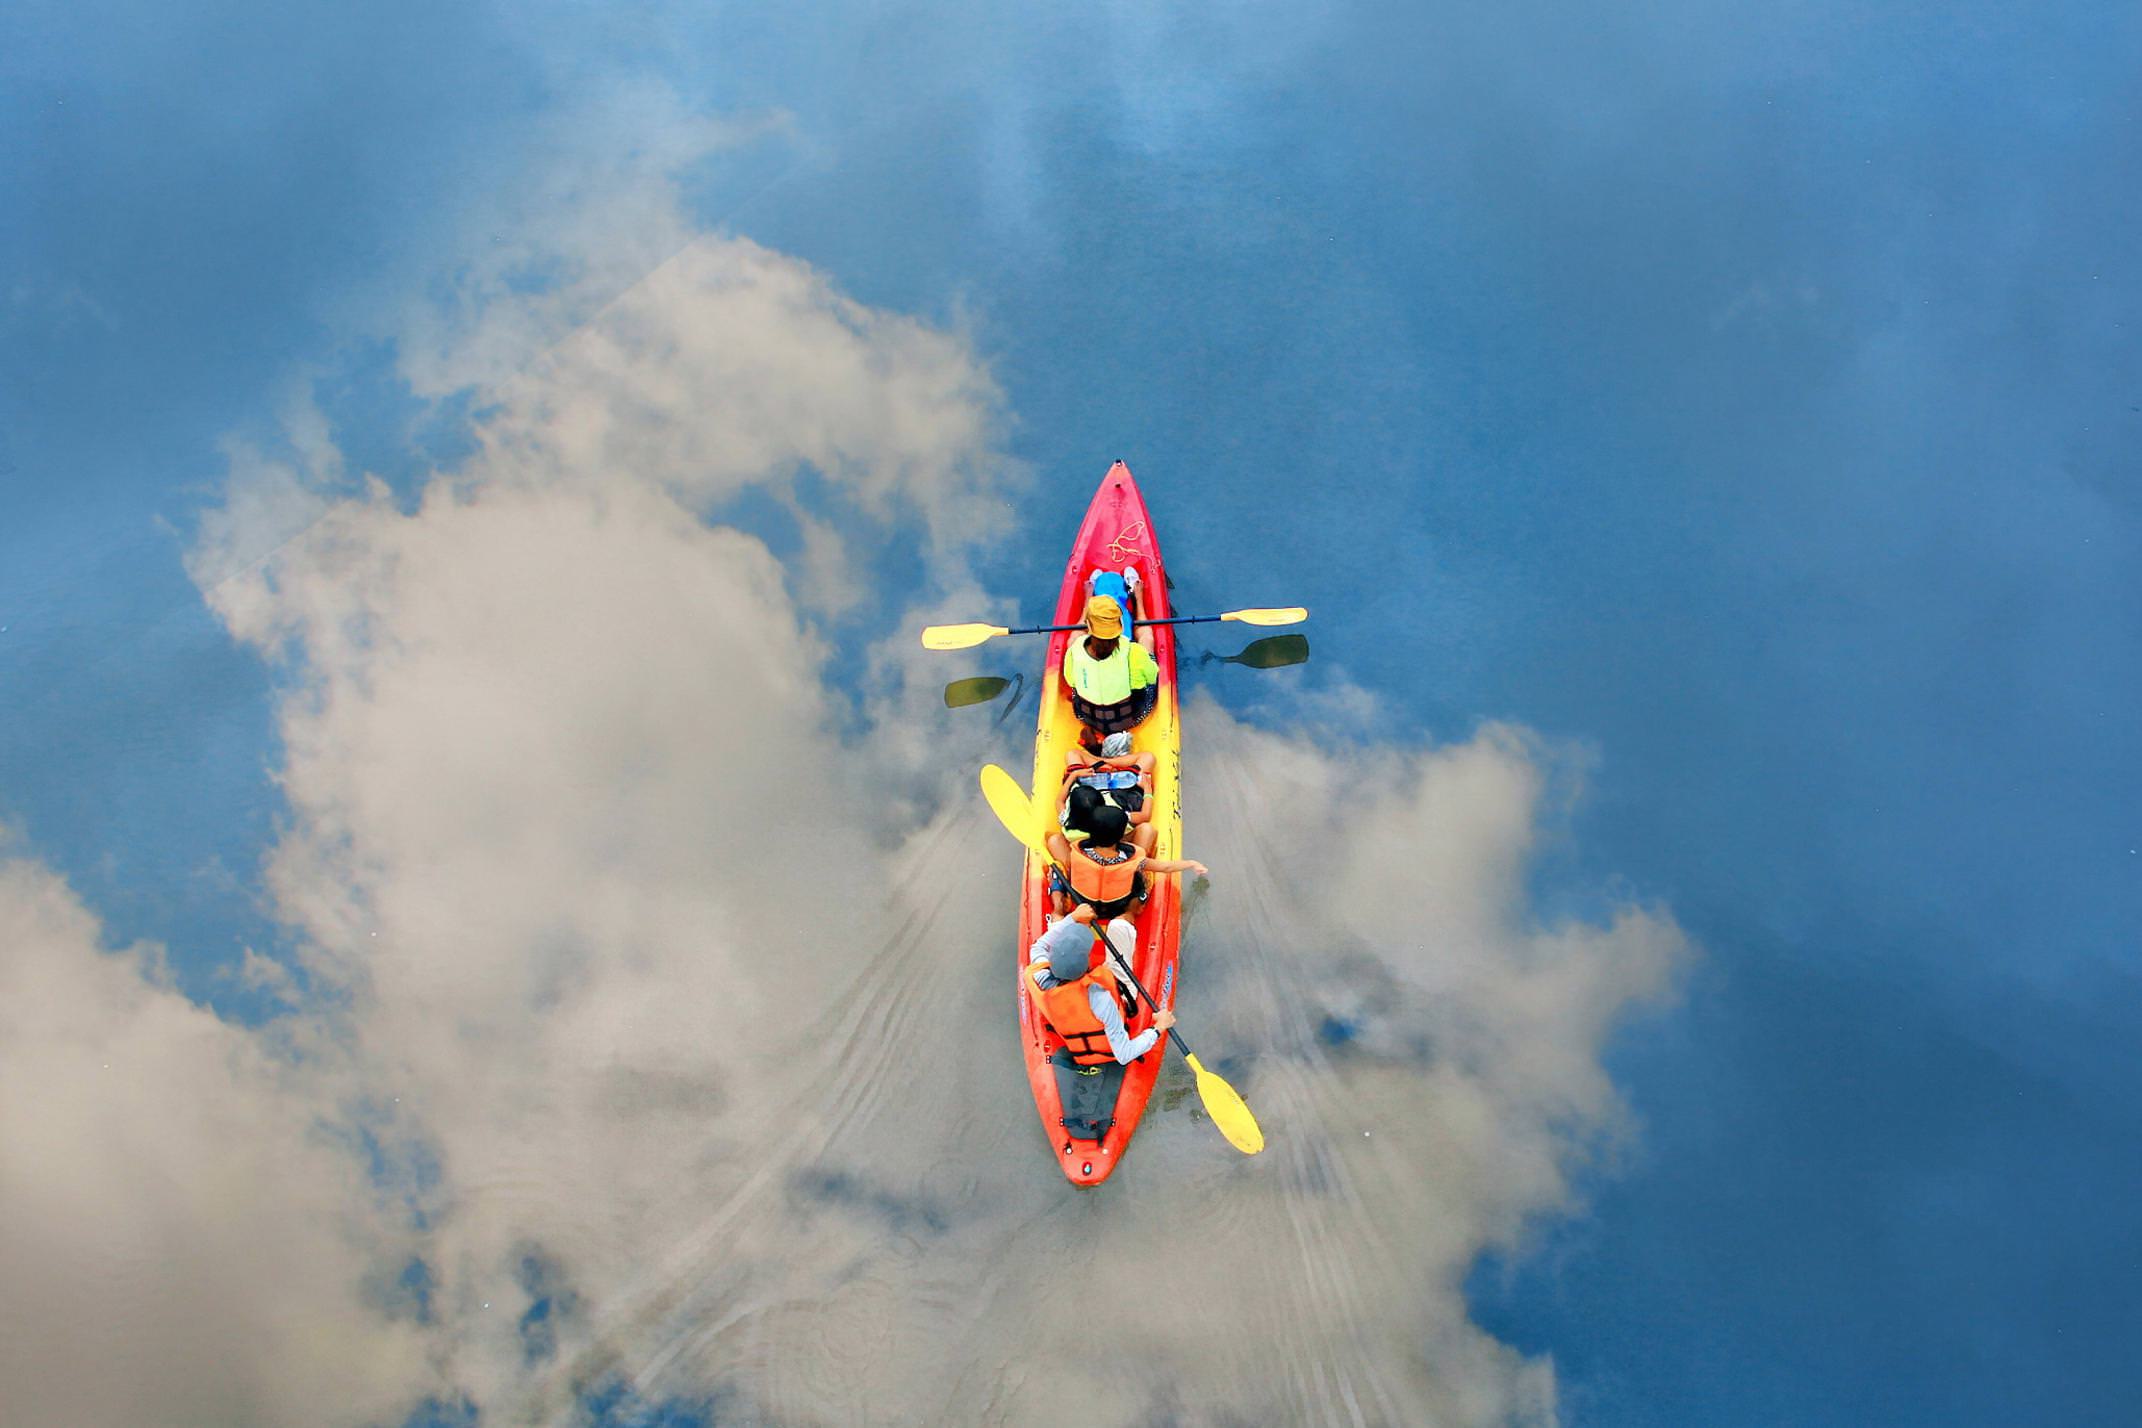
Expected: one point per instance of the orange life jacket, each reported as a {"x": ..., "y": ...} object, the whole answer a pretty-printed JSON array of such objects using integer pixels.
[
  {"x": 1103, "y": 883},
  {"x": 1065, "y": 1008}
]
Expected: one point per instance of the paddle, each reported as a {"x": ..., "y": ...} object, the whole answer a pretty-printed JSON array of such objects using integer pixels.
[
  {"x": 1272, "y": 652},
  {"x": 979, "y": 690},
  {"x": 962, "y": 637},
  {"x": 1015, "y": 810}
]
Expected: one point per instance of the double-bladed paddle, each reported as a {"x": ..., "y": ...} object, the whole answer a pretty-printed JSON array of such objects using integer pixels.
[
  {"x": 978, "y": 690},
  {"x": 961, "y": 637},
  {"x": 1015, "y": 810},
  {"x": 1271, "y": 652}
]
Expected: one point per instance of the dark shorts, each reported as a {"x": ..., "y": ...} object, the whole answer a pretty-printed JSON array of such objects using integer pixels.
[{"x": 1117, "y": 718}]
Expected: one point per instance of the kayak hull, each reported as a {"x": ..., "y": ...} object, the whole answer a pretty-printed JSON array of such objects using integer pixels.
[{"x": 1116, "y": 533}]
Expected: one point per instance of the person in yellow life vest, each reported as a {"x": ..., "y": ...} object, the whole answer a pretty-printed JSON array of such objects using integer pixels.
[
  {"x": 1079, "y": 995},
  {"x": 1114, "y": 682},
  {"x": 1107, "y": 871}
]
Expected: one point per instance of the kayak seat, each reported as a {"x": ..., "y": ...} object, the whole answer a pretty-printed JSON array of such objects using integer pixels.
[{"x": 1087, "y": 1094}]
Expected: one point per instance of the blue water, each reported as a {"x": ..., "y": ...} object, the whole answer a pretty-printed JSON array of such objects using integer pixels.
[{"x": 1746, "y": 395}]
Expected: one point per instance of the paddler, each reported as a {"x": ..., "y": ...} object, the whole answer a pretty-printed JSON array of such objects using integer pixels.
[
  {"x": 1113, "y": 681},
  {"x": 1078, "y": 995},
  {"x": 1106, "y": 771},
  {"x": 1107, "y": 871}
]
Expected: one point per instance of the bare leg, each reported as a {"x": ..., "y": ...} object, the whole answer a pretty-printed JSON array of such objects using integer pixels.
[
  {"x": 1074, "y": 762},
  {"x": 1144, "y": 764},
  {"x": 1061, "y": 852}
]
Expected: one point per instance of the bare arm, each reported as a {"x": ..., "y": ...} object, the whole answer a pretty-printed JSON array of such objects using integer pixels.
[
  {"x": 1109, "y": 1013},
  {"x": 1064, "y": 932},
  {"x": 1076, "y": 767},
  {"x": 1175, "y": 865}
]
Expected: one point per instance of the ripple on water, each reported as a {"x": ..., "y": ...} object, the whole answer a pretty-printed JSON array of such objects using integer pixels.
[{"x": 885, "y": 1237}]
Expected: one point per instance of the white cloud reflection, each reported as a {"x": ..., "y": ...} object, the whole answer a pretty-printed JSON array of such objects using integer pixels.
[
  {"x": 186, "y": 1233},
  {"x": 699, "y": 1079}
]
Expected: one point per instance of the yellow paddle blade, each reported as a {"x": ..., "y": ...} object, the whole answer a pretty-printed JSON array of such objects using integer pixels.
[
  {"x": 1290, "y": 615},
  {"x": 1227, "y": 1108},
  {"x": 959, "y": 637},
  {"x": 1013, "y": 806}
]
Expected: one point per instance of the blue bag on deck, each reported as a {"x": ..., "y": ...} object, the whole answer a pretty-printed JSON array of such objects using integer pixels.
[{"x": 1109, "y": 583}]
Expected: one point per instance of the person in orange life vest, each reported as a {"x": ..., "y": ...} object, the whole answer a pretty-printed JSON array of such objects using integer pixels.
[
  {"x": 1079, "y": 996},
  {"x": 1107, "y": 871},
  {"x": 1113, "y": 682}
]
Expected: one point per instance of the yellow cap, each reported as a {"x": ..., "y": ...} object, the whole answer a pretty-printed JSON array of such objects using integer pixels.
[{"x": 1104, "y": 617}]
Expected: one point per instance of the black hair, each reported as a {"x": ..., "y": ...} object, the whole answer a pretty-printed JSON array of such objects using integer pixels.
[
  {"x": 1109, "y": 825},
  {"x": 1085, "y": 801}
]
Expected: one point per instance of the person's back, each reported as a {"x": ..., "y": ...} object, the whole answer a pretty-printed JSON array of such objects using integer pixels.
[
  {"x": 1107, "y": 872},
  {"x": 1114, "y": 682},
  {"x": 1104, "y": 871},
  {"x": 1077, "y": 993}
]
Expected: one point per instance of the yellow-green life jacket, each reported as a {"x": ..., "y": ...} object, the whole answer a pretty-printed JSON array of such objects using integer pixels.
[{"x": 1112, "y": 680}]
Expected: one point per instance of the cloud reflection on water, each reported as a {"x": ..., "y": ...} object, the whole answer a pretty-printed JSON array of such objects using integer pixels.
[{"x": 662, "y": 997}]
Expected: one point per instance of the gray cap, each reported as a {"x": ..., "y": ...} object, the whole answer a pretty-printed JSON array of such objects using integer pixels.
[
  {"x": 1116, "y": 746},
  {"x": 1072, "y": 958}
]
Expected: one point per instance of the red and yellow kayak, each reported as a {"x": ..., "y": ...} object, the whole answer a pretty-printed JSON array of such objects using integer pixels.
[{"x": 1117, "y": 533}]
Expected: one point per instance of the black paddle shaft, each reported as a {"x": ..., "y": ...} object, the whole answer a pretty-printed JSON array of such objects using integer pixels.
[
  {"x": 1170, "y": 620},
  {"x": 1124, "y": 962}
]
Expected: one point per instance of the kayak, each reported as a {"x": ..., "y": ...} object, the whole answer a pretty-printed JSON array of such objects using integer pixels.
[{"x": 1090, "y": 1115}]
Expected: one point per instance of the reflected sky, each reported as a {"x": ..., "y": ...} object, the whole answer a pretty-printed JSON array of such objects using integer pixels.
[{"x": 1746, "y": 394}]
